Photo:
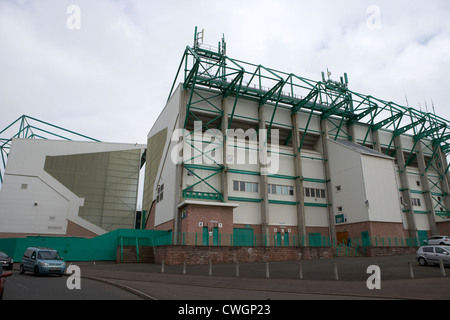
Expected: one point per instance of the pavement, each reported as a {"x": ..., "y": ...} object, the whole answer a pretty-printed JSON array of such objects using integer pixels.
[{"x": 400, "y": 277}]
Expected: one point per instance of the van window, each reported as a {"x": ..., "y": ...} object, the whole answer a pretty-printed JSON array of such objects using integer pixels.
[
  {"x": 33, "y": 255},
  {"x": 27, "y": 253},
  {"x": 48, "y": 255}
]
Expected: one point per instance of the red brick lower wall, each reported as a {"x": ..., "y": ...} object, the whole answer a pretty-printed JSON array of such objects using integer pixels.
[
  {"x": 375, "y": 229},
  {"x": 172, "y": 255},
  {"x": 444, "y": 228},
  {"x": 388, "y": 251}
]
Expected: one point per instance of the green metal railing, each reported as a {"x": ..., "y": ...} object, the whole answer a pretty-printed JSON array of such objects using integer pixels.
[{"x": 105, "y": 247}]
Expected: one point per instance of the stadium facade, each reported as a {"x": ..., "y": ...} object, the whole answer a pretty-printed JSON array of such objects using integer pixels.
[{"x": 243, "y": 153}]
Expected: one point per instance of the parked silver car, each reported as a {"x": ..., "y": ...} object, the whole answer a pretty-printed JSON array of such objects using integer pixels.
[
  {"x": 433, "y": 254},
  {"x": 441, "y": 240}
]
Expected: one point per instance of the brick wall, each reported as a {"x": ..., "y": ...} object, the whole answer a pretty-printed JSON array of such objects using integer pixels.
[
  {"x": 201, "y": 255},
  {"x": 389, "y": 251}
]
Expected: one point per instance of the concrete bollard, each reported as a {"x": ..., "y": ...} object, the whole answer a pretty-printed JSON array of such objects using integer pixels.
[
  {"x": 441, "y": 264},
  {"x": 237, "y": 269},
  {"x": 300, "y": 271},
  {"x": 336, "y": 275},
  {"x": 267, "y": 271},
  {"x": 162, "y": 266},
  {"x": 411, "y": 273}
]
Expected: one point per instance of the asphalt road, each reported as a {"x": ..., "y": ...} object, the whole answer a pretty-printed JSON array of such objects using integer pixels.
[{"x": 28, "y": 287}]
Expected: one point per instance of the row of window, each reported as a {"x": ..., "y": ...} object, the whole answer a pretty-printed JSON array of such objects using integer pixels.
[
  {"x": 277, "y": 189},
  {"x": 245, "y": 186},
  {"x": 315, "y": 193}
]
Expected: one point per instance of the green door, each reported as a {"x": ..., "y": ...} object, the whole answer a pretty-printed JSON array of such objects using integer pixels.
[
  {"x": 423, "y": 236},
  {"x": 315, "y": 239},
  {"x": 216, "y": 236},
  {"x": 365, "y": 238},
  {"x": 286, "y": 239},
  {"x": 278, "y": 239},
  {"x": 205, "y": 236},
  {"x": 243, "y": 237}
]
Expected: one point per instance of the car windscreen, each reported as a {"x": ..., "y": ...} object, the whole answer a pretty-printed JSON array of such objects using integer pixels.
[
  {"x": 48, "y": 255},
  {"x": 3, "y": 255}
]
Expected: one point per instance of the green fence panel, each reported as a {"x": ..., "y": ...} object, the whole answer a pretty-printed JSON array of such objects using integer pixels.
[{"x": 100, "y": 248}]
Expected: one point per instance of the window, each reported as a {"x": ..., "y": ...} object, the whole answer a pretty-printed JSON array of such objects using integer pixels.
[
  {"x": 427, "y": 249},
  {"x": 338, "y": 188},
  {"x": 440, "y": 250},
  {"x": 315, "y": 193},
  {"x": 416, "y": 202},
  {"x": 281, "y": 189},
  {"x": 339, "y": 209},
  {"x": 160, "y": 193},
  {"x": 418, "y": 183},
  {"x": 24, "y": 186},
  {"x": 244, "y": 186}
]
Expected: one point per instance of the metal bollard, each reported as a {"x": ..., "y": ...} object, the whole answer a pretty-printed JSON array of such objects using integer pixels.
[
  {"x": 162, "y": 266},
  {"x": 441, "y": 264},
  {"x": 237, "y": 269},
  {"x": 184, "y": 267},
  {"x": 210, "y": 268},
  {"x": 300, "y": 271},
  {"x": 411, "y": 273},
  {"x": 336, "y": 275},
  {"x": 267, "y": 271}
]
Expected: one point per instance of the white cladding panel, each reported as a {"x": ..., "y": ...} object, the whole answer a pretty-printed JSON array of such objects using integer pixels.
[{"x": 381, "y": 189}]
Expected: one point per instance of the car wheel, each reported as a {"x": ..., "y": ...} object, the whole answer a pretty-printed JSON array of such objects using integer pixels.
[
  {"x": 36, "y": 271},
  {"x": 21, "y": 269},
  {"x": 422, "y": 261}
]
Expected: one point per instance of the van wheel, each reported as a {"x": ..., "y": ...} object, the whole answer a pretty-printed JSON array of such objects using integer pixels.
[
  {"x": 36, "y": 271},
  {"x": 21, "y": 269},
  {"x": 422, "y": 261}
]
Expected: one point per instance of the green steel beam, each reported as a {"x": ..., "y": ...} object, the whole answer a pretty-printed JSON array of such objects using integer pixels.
[
  {"x": 28, "y": 129},
  {"x": 408, "y": 127},
  {"x": 387, "y": 121}
]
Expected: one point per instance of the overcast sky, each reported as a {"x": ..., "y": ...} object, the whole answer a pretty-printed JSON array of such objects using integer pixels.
[{"x": 108, "y": 74}]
